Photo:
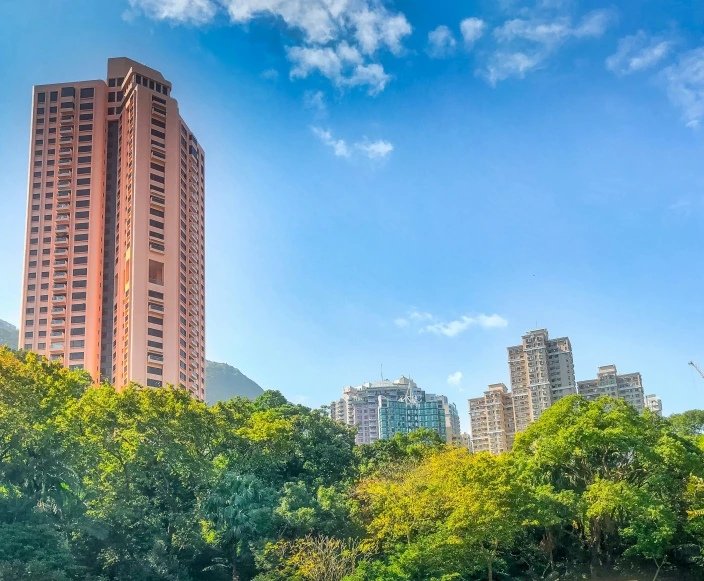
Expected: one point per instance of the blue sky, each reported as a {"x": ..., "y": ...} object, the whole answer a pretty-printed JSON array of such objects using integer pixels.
[{"x": 414, "y": 184}]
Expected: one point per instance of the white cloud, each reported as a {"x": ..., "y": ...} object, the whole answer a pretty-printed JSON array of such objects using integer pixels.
[
  {"x": 401, "y": 322},
  {"x": 372, "y": 150},
  {"x": 343, "y": 65},
  {"x": 372, "y": 76},
  {"x": 685, "y": 85},
  {"x": 472, "y": 30},
  {"x": 638, "y": 52},
  {"x": 441, "y": 42},
  {"x": 194, "y": 11},
  {"x": 376, "y": 149},
  {"x": 491, "y": 321},
  {"x": 455, "y": 379},
  {"x": 339, "y": 146},
  {"x": 526, "y": 43},
  {"x": 454, "y": 328},
  {"x": 374, "y": 27},
  {"x": 336, "y": 32},
  {"x": 503, "y": 65}
]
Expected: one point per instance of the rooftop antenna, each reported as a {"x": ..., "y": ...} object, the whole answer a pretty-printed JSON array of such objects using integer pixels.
[{"x": 382, "y": 372}]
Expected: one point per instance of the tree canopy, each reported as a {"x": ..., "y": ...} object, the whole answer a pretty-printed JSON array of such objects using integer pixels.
[{"x": 153, "y": 485}]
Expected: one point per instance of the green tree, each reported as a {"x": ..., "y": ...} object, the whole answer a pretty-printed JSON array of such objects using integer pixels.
[{"x": 237, "y": 513}]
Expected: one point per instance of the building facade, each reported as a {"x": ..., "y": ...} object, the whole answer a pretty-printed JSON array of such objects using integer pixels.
[
  {"x": 654, "y": 404},
  {"x": 542, "y": 373},
  {"x": 492, "y": 426},
  {"x": 381, "y": 409},
  {"x": 628, "y": 387},
  {"x": 115, "y": 244}
]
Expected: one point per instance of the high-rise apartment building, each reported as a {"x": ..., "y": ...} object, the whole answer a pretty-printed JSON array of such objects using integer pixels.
[
  {"x": 381, "y": 409},
  {"x": 492, "y": 425},
  {"x": 115, "y": 249},
  {"x": 608, "y": 382},
  {"x": 542, "y": 373},
  {"x": 654, "y": 404}
]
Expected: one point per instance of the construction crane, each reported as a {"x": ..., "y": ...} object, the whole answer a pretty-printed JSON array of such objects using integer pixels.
[{"x": 697, "y": 368}]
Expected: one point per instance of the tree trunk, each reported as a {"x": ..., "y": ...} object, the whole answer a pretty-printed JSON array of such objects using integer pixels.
[
  {"x": 491, "y": 572},
  {"x": 659, "y": 567}
]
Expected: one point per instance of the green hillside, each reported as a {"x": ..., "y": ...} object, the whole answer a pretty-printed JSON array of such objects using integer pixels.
[
  {"x": 223, "y": 382},
  {"x": 9, "y": 334}
]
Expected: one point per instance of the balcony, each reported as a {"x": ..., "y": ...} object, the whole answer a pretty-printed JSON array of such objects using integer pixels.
[
  {"x": 156, "y": 308},
  {"x": 59, "y": 285},
  {"x": 65, "y": 172},
  {"x": 64, "y": 193},
  {"x": 63, "y": 217},
  {"x": 62, "y": 205},
  {"x": 57, "y": 346},
  {"x": 57, "y": 334},
  {"x": 57, "y": 311},
  {"x": 155, "y": 357},
  {"x": 156, "y": 247},
  {"x": 65, "y": 129},
  {"x": 58, "y": 299},
  {"x": 61, "y": 250},
  {"x": 60, "y": 274},
  {"x": 61, "y": 240},
  {"x": 66, "y": 139},
  {"x": 157, "y": 201},
  {"x": 58, "y": 322},
  {"x": 156, "y": 281},
  {"x": 64, "y": 183},
  {"x": 65, "y": 161}
]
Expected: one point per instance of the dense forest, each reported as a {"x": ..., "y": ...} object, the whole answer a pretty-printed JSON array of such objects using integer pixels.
[{"x": 153, "y": 485}]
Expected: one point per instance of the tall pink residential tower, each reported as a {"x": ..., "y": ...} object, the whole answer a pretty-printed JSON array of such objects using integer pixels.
[{"x": 115, "y": 249}]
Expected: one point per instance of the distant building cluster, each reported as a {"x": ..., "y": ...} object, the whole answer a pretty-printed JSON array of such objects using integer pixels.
[
  {"x": 542, "y": 373},
  {"x": 381, "y": 409}
]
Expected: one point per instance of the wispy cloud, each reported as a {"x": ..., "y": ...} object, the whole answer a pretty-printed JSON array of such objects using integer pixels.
[
  {"x": 684, "y": 81},
  {"x": 375, "y": 149},
  {"x": 371, "y": 149},
  {"x": 637, "y": 53},
  {"x": 454, "y": 328},
  {"x": 455, "y": 379},
  {"x": 525, "y": 44},
  {"x": 472, "y": 30},
  {"x": 339, "y": 146},
  {"x": 340, "y": 38},
  {"x": 427, "y": 323},
  {"x": 441, "y": 42},
  {"x": 270, "y": 75},
  {"x": 315, "y": 100}
]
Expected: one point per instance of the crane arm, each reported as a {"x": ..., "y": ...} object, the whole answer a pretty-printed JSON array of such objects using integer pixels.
[{"x": 697, "y": 368}]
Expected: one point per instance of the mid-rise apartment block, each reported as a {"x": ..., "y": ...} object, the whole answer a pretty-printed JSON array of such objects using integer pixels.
[
  {"x": 628, "y": 387},
  {"x": 381, "y": 409},
  {"x": 492, "y": 426},
  {"x": 654, "y": 404},
  {"x": 115, "y": 246}
]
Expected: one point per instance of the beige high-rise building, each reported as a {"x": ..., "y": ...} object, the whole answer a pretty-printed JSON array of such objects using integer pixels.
[
  {"x": 542, "y": 373},
  {"x": 608, "y": 382},
  {"x": 491, "y": 420},
  {"x": 115, "y": 248},
  {"x": 654, "y": 404}
]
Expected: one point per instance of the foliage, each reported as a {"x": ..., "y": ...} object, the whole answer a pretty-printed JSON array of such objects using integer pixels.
[{"x": 153, "y": 485}]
